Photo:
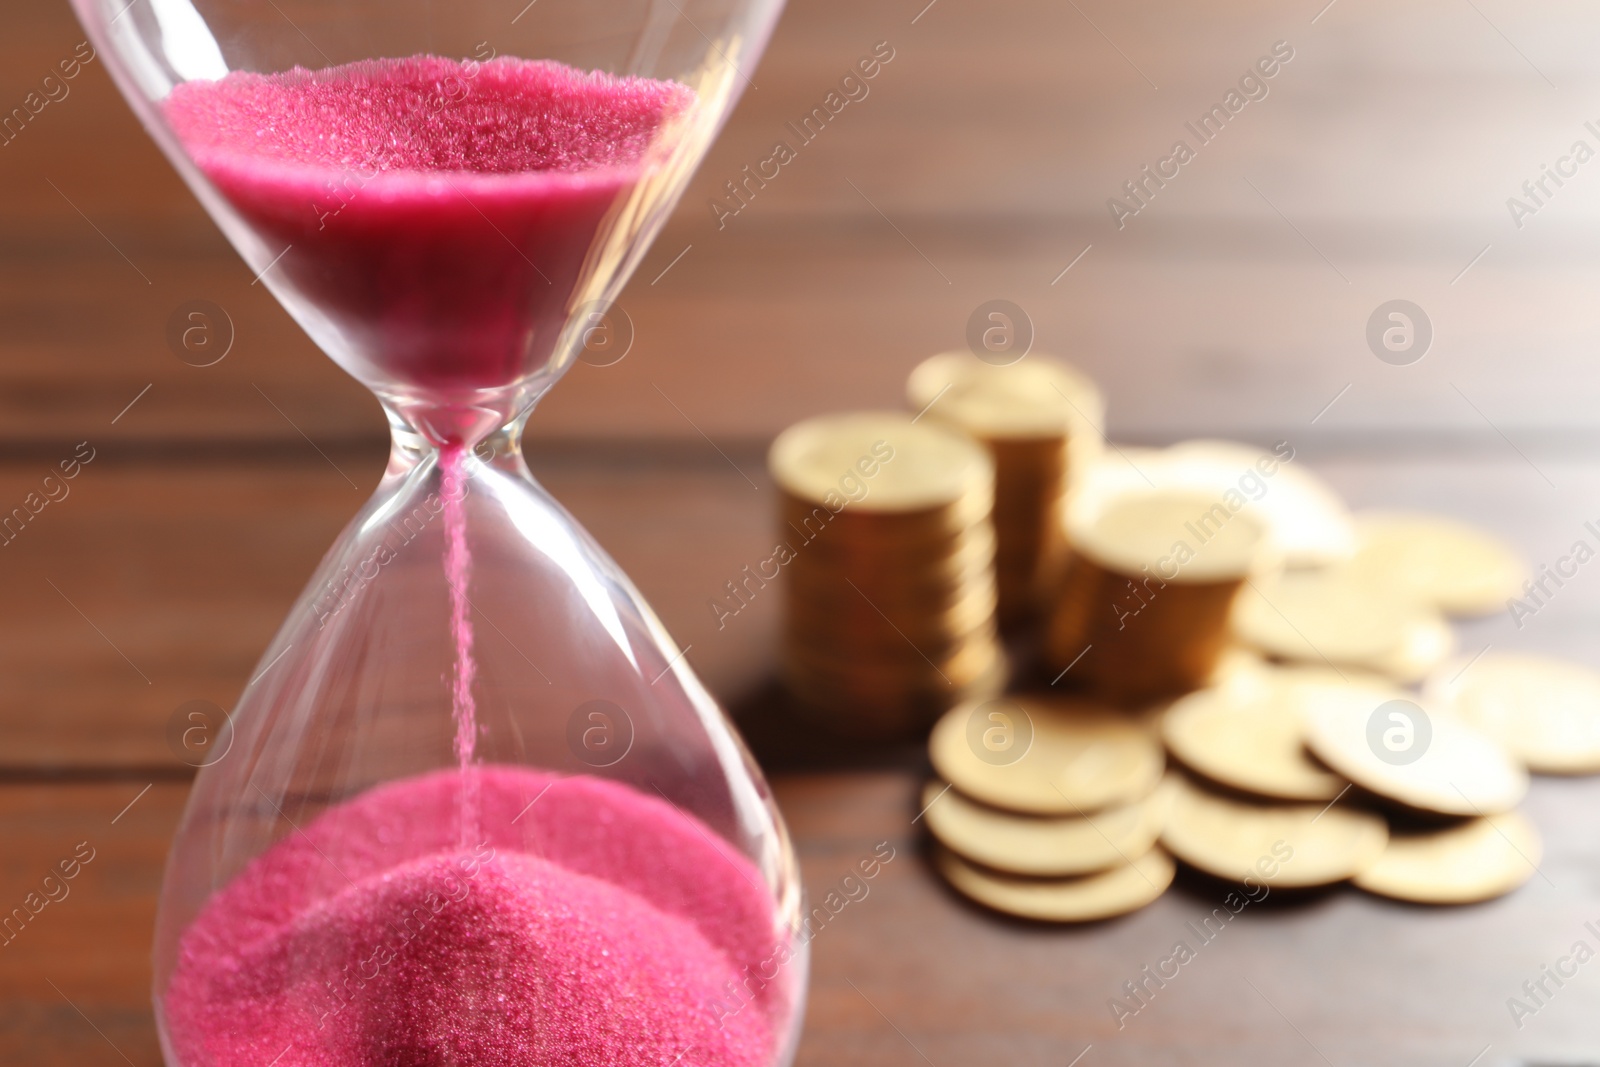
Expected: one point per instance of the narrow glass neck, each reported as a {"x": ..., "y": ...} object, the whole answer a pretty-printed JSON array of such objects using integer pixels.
[
  {"x": 410, "y": 446},
  {"x": 467, "y": 417}
]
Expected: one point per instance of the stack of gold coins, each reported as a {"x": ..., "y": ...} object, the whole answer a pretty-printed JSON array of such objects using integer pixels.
[
  {"x": 1040, "y": 420},
  {"x": 890, "y": 610},
  {"x": 1144, "y": 607},
  {"x": 1048, "y": 808}
]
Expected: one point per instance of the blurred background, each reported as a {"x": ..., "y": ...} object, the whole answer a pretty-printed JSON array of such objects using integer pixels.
[
  {"x": 979, "y": 166},
  {"x": 1379, "y": 165}
]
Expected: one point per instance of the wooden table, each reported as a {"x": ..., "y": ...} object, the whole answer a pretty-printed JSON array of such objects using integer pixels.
[
  {"x": 978, "y": 168},
  {"x": 185, "y": 565}
]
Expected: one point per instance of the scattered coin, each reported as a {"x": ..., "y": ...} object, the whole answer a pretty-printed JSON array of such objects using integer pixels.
[
  {"x": 1545, "y": 711},
  {"x": 1251, "y": 742},
  {"x": 1221, "y": 573},
  {"x": 1479, "y": 859},
  {"x": 1455, "y": 567},
  {"x": 1434, "y": 762},
  {"x": 1238, "y": 665},
  {"x": 1427, "y": 642},
  {"x": 1291, "y": 845},
  {"x": 1289, "y": 676},
  {"x": 1086, "y": 898},
  {"x": 1042, "y": 845},
  {"x": 1082, "y": 758},
  {"x": 1331, "y": 616}
]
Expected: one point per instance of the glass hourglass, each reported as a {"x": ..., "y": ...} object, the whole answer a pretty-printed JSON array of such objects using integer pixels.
[{"x": 476, "y": 808}]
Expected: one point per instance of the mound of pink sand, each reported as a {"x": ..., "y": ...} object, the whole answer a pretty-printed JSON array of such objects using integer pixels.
[{"x": 603, "y": 927}]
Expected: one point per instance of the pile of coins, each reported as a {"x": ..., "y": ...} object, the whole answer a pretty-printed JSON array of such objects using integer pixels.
[
  {"x": 1057, "y": 810},
  {"x": 1241, "y": 676},
  {"x": 890, "y": 615},
  {"x": 1303, "y": 759},
  {"x": 1040, "y": 421}
]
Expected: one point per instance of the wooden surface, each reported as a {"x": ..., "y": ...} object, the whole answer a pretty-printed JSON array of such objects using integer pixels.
[
  {"x": 979, "y": 166},
  {"x": 1378, "y": 167},
  {"x": 189, "y": 584}
]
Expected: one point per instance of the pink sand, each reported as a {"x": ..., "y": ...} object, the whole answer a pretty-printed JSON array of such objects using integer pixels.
[
  {"x": 438, "y": 212},
  {"x": 443, "y": 919},
  {"x": 458, "y": 573},
  {"x": 602, "y": 927}
]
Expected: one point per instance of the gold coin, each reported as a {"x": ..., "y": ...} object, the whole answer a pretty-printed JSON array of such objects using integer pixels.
[
  {"x": 851, "y": 543},
  {"x": 1042, "y": 845},
  {"x": 1479, "y": 859},
  {"x": 1249, "y": 742},
  {"x": 865, "y": 650},
  {"x": 966, "y": 661},
  {"x": 913, "y": 615},
  {"x": 1029, "y": 467},
  {"x": 1427, "y": 758},
  {"x": 864, "y": 693},
  {"x": 1055, "y": 757},
  {"x": 955, "y": 666},
  {"x": 881, "y": 706},
  {"x": 1427, "y": 642},
  {"x": 1307, "y": 522},
  {"x": 848, "y": 526},
  {"x": 1545, "y": 711},
  {"x": 1291, "y": 845},
  {"x": 1238, "y": 665},
  {"x": 950, "y": 577},
  {"x": 880, "y": 463},
  {"x": 1283, "y": 676},
  {"x": 1034, "y": 397},
  {"x": 1326, "y": 616},
  {"x": 1086, "y": 898},
  {"x": 1115, "y": 472},
  {"x": 1176, "y": 536},
  {"x": 1451, "y": 565}
]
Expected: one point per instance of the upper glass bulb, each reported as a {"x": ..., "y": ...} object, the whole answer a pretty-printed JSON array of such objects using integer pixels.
[{"x": 437, "y": 190}]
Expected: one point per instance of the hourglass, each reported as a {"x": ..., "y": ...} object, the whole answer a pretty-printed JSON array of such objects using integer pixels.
[{"x": 477, "y": 809}]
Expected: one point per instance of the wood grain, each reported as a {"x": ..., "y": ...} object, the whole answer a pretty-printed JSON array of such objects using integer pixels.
[
  {"x": 160, "y": 581},
  {"x": 979, "y": 166},
  {"x": 152, "y": 584},
  {"x": 908, "y": 973}
]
